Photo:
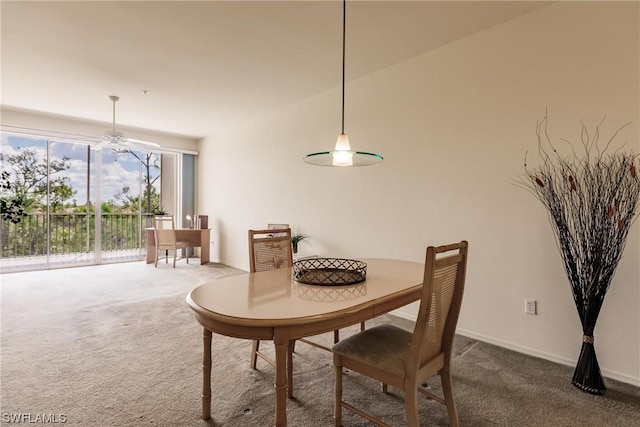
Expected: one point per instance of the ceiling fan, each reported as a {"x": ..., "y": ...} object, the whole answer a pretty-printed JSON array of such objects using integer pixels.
[{"x": 117, "y": 140}]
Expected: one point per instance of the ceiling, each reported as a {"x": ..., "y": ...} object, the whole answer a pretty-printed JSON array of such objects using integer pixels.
[{"x": 211, "y": 64}]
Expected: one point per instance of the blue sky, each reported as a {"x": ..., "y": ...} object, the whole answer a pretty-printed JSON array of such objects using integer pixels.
[{"x": 118, "y": 170}]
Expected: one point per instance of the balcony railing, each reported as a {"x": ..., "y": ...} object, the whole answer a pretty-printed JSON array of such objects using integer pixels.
[{"x": 71, "y": 233}]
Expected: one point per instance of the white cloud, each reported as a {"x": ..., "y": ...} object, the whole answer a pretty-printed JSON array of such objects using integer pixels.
[{"x": 118, "y": 169}]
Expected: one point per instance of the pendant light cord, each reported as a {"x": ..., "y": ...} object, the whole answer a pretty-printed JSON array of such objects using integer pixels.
[
  {"x": 344, "y": 36},
  {"x": 114, "y": 99},
  {"x": 114, "y": 115},
  {"x": 342, "y": 155}
]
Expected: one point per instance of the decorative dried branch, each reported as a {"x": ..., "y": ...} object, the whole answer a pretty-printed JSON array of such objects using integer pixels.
[{"x": 592, "y": 202}]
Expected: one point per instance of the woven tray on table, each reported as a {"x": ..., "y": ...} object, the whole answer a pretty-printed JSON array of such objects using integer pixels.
[{"x": 329, "y": 271}]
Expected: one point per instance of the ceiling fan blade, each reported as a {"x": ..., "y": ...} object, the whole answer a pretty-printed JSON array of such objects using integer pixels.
[
  {"x": 99, "y": 146},
  {"x": 143, "y": 143}
]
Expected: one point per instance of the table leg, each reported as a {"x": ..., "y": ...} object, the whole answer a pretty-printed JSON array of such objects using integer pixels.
[
  {"x": 206, "y": 375},
  {"x": 205, "y": 248},
  {"x": 282, "y": 345},
  {"x": 290, "y": 369},
  {"x": 151, "y": 247}
]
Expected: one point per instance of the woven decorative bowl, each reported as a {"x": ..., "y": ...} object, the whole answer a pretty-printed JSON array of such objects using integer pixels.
[{"x": 329, "y": 271}]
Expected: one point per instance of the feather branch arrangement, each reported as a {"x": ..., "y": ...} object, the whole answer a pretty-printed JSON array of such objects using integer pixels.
[{"x": 592, "y": 200}]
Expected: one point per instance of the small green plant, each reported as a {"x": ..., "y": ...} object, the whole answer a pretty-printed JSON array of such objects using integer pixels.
[
  {"x": 296, "y": 238},
  {"x": 159, "y": 210}
]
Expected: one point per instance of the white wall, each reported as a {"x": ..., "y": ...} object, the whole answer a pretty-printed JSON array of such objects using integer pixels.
[{"x": 453, "y": 125}]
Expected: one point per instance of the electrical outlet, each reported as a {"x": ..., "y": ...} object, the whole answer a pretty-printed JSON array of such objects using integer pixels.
[{"x": 530, "y": 306}]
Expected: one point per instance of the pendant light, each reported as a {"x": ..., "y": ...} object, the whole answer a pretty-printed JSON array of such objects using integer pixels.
[{"x": 342, "y": 155}]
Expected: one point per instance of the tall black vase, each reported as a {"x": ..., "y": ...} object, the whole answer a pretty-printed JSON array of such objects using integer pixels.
[{"x": 587, "y": 376}]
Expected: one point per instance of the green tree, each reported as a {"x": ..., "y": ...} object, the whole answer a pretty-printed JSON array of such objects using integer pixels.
[
  {"x": 131, "y": 203},
  {"x": 150, "y": 196},
  {"x": 11, "y": 207},
  {"x": 25, "y": 180}
]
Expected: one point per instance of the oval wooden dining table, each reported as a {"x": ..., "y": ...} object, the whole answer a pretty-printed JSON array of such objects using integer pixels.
[{"x": 271, "y": 305}]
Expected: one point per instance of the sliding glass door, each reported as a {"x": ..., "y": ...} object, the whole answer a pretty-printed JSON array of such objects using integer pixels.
[
  {"x": 64, "y": 204},
  {"x": 129, "y": 187}
]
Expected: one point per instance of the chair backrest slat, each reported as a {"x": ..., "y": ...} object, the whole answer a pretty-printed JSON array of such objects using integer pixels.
[{"x": 270, "y": 249}]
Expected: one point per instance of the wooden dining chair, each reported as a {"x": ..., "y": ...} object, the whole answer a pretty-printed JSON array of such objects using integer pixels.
[
  {"x": 405, "y": 359},
  {"x": 270, "y": 250},
  {"x": 164, "y": 232}
]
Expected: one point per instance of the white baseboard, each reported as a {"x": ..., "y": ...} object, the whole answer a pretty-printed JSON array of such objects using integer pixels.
[{"x": 618, "y": 376}]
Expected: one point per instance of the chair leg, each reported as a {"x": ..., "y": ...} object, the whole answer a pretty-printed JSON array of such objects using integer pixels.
[
  {"x": 337, "y": 404},
  {"x": 187, "y": 250},
  {"x": 411, "y": 406},
  {"x": 175, "y": 255},
  {"x": 447, "y": 390},
  {"x": 336, "y": 336},
  {"x": 362, "y": 326},
  {"x": 156, "y": 263},
  {"x": 254, "y": 353}
]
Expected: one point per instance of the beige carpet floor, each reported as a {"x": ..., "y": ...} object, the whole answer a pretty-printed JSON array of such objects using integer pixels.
[{"x": 117, "y": 345}]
